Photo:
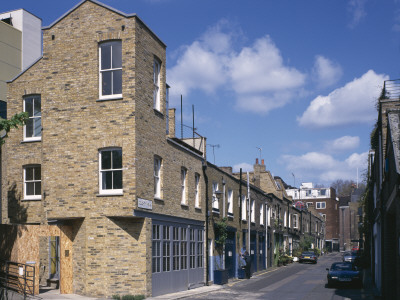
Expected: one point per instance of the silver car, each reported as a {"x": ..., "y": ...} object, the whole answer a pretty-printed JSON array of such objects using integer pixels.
[{"x": 350, "y": 256}]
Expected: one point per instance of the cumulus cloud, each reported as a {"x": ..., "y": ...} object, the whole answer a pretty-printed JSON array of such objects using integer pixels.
[
  {"x": 256, "y": 74},
  {"x": 356, "y": 9},
  {"x": 245, "y": 167},
  {"x": 343, "y": 143},
  {"x": 326, "y": 72},
  {"x": 325, "y": 168},
  {"x": 350, "y": 104}
]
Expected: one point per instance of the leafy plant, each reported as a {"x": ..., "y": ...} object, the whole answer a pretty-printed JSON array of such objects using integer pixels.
[
  {"x": 221, "y": 233},
  {"x": 6, "y": 125}
]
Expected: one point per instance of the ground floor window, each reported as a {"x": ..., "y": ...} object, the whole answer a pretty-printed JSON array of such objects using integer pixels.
[{"x": 177, "y": 247}]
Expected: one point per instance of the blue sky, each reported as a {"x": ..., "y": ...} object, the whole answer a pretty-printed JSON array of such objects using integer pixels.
[{"x": 298, "y": 79}]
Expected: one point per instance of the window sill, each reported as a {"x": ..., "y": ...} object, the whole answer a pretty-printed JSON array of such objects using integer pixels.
[
  {"x": 230, "y": 215},
  {"x": 215, "y": 211},
  {"x": 31, "y": 141},
  {"x": 158, "y": 199},
  {"x": 157, "y": 112},
  {"x": 110, "y": 195},
  {"x": 32, "y": 199},
  {"x": 197, "y": 208},
  {"x": 184, "y": 205},
  {"x": 110, "y": 99}
]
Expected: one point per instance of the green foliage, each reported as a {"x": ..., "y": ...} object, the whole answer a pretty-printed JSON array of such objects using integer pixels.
[
  {"x": 305, "y": 242},
  {"x": 221, "y": 233},
  {"x": 6, "y": 125}
]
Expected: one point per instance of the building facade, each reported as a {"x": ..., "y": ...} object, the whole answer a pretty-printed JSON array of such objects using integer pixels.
[{"x": 98, "y": 187}]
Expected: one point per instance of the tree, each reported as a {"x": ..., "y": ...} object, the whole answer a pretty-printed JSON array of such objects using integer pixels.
[
  {"x": 345, "y": 187},
  {"x": 6, "y": 125}
]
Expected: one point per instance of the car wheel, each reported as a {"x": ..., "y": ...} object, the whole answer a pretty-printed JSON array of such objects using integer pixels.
[{"x": 330, "y": 284}]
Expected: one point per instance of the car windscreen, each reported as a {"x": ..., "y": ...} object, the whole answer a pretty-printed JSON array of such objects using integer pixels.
[{"x": 341, "y": 267}]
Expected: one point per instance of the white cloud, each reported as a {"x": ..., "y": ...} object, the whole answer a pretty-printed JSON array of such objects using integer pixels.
[
  {"x": 350, "y": 104},
  {"x": 245, "y": 167},
  {"x": 343, "y": 143},
  {"x": 323, "y": 168},
  {"x": 326, "y": 72},
  {"x": 256, "y": 74},
  {"x": 357, "y": 11}
]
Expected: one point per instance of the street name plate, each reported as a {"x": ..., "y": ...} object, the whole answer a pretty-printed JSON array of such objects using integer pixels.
[{"x": 146, "y": 204}]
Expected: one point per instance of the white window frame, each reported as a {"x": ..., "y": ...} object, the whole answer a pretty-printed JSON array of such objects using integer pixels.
[
  {"x": 34, "y": 118},
  {"x": 230, "y": 202},
  {"x": 215, "y": 200},
  {"x": 295, "y": 221},
  {"x": 101, "y": 171},
  {"x": 244, "y": 208},
  {"x": 156, "y": 82},
  {"x": 320, "y": 205},
  {"x": 34, "y": 181},
  {"x": 253, "y": 211},
  {"x": 285, "y": 219},
  {"x": 112, "y": 70},
  {"x": 262, "y": 214},
  {"x": 183, "y": 186},
  {"x": 157, "y": 177},
  {"x": 197, "y": 190}
]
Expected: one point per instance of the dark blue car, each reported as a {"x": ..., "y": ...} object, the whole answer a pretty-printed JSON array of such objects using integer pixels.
[{"x": 344, "y": 273}]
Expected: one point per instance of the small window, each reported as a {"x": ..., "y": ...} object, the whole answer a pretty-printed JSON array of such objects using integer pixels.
[
  {"x": 110, "y": 171},
  {"x": 110, "y": 69},
  {"x": 156, "y": 81},
  {"x": 33, "y": 127},
  {"x": 183, "y": 185},
  {"x": 32, "y": 182},
  {"x": 157, "y": 177},
  {"x": 321, "y": 205},
  {"x": 197, "y": 190}
]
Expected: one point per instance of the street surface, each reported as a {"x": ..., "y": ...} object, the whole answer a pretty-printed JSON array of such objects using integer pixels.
[{"x": 293, "y": 282}]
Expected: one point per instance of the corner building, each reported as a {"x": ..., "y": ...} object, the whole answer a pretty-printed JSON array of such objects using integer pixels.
[{"x": 98, "y": 161}]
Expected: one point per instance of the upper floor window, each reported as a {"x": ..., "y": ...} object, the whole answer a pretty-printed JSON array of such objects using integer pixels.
[
  {"x": 321, "y": 205},
  {"x": 262, "y": 214},
  {"x": 33, "y": 127},
  {"x": 157, "y": 177},
  {"x": 32, "y": 182},
  {"x": 295, "y": 221},
  {"x": 244, "y": 208},
  {"x": 110, "y": 69},
  {"x": 253, "y": 212},
  {"x": 110, "y": 173},
  {"x": 197, "y": 190},
  {"x": 215, "y": 201},
  {"x": 230, "y": 202},
  {"x": 156, "y": 81},
  {"x": 183, "y": 184}
]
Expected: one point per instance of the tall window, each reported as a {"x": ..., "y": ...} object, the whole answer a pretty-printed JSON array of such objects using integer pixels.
[
  {"x": 33, "y": 127},
  {"x": 244, "y": 208},
  {"x": 192, "y": 248},
  {"x": 295, "y": 221},
  {"x": 262, "y": 214},
  {"x": 166, "y": 249},
  {"x": 156, "y": 81},
  {"x": 253, "y": 211},
  {"x": 157, "y": 177},
  {"x": 215, "y": 202},
  {"x": 285, "y": 219},
  {"x": 156, "y": 249},
  {"x": 32, "y": 182},
  {"x": 183, "y": 249},
  {"x": 230, "y": 203},
  {"x": 197, "y": 190},
  {"x": 110, "y": 69},
  {"x": 110, "y": 171},
  {"x": 183, "y": 184},
  {"x": 175, "y": 247},
  {"x": 200, "y": 248}
]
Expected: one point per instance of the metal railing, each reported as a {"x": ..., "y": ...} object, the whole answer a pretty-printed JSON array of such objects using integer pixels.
[
  {"x": 391, "y": 89},
  {"x": 17, "y": 277}
]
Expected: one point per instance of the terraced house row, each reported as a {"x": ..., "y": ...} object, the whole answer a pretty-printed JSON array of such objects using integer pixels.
[{"x": 98, "y": 193}]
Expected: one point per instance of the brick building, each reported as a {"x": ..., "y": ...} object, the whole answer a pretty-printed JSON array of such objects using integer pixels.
[{"x": 98, "y": 188}]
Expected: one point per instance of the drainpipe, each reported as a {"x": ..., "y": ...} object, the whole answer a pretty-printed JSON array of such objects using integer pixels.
[{"x": 207, "y": 215}]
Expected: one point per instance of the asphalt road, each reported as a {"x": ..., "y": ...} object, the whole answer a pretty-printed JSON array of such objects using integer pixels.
[{"x": 293, "y": 282}]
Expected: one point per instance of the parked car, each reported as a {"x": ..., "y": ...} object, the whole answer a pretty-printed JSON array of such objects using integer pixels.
[
  {"x": 308, "y": 256},
  {"x": 350, "y": 256},
  {"x": 344, "y": 273},
  {"x": 355, "y": 248}
]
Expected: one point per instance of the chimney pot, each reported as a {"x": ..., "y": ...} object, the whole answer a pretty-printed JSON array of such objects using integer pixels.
[
  {"x": 256, "y": 161},
  {"x": 262, "y": 161}
]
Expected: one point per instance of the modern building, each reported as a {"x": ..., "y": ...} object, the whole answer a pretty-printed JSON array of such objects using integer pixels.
[
  {"x": 382, "y": 216},
  {"x": 20, "y": 46},
  {"x": 325, "y": 202}
]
